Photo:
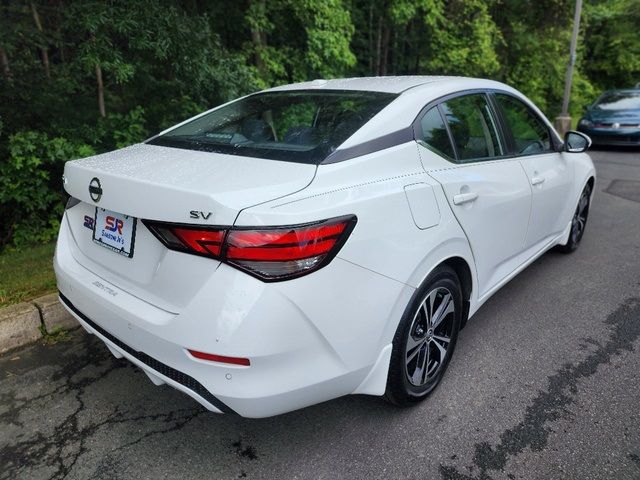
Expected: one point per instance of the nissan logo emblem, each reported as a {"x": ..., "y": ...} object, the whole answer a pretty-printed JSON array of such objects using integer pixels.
[{"x": 95, "y": 189}]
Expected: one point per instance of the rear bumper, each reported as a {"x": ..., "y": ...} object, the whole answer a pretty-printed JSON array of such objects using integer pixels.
[
  {"x": 157, "y": 371},
  {"x": 309, "y": 340}
]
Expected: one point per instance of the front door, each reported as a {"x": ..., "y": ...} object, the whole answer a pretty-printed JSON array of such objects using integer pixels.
[{"x": 549, "y": 172}]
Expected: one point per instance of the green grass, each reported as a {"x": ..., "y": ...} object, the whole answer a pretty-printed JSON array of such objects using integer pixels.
[
  {"x": 26, "y": 274},
  {"x": 57, "y": 335}
]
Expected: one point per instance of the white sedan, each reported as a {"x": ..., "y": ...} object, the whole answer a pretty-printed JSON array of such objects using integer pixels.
[{"x": 318, "y": 239}]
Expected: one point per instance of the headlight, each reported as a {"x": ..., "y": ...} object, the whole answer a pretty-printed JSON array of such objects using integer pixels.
[{"x": 585, "y": 123}]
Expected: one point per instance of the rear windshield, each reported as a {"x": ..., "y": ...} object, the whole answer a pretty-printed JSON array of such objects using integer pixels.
[
  {"x": 298, "y": 126},
  {"x": 619, "y": 101}
]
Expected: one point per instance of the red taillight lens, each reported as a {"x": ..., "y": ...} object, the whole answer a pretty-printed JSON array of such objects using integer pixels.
[
  {"x": 277, "y": 253},
  {"x": 201, "y": 241},
  {"x": 292, "y": 243},
  {"x": 190, "y": 239},
  {"x": 271, "y": 253}
]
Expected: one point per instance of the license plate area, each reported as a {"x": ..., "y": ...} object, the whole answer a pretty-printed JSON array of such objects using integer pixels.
[{"x": 114, "y": 231}]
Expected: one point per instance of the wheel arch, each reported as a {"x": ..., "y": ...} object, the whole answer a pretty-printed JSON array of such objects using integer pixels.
[{"x": 463, "y": 272}]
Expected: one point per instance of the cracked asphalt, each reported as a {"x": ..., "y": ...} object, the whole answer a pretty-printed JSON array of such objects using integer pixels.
[{"x": 545, "y": 383}]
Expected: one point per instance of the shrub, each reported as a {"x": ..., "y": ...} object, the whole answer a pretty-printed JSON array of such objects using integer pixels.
[
  {"x": 124, "y": 129},
  {"x": 31, "y": 194}
]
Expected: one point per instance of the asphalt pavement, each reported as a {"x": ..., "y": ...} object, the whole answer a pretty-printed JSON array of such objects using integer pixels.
[{"x": 545, "y": 384}]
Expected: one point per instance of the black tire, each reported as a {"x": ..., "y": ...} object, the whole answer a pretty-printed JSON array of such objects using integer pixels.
[
  {"x": 578, "y": 222},
  {"x": 404, "y": 382}
]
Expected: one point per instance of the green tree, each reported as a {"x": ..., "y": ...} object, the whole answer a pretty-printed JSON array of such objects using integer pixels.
[
  {"x": 612, "y": 50},
  {"x": 81, "y": 76}
]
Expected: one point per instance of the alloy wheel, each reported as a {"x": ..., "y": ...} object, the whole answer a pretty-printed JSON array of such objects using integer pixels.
[
  {"x": 580, "y": 217},
  {"x": 429, "y": 337}
]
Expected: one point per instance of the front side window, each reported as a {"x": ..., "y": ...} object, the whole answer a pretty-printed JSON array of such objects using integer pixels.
[
  {"x": 530, "y": 134},
  {"x": 298, "y": 125},
  {"x": 434, "y": 133},
  {"x": 473, "y": 128}
]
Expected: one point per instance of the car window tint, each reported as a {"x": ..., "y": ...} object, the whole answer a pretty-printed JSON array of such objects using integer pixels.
[
  {"x": 619, "y": 100},
  {"x": 530, "y": 134},
  {"x": 434, "y": 133},
  {"x": 297, "y": 126},
  {"x": 473, "y": 128}
]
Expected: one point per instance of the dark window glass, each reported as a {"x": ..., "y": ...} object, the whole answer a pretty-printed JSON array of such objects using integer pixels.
[
  {"x": 297, "y": 125},
  {"x": 434, "y": 133},
  {"x": 529, "y": 132},
  {"x": 473, "y": 128},
  {"x": 618, "y": 101}
]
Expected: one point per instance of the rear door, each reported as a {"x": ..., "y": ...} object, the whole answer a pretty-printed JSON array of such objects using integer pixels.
[
  {"x": 549, "y": 172},
  {"x": 488, "y": 192}
]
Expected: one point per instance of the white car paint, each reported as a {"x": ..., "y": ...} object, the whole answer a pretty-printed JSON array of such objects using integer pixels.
[{"x": 328, "y": 333}]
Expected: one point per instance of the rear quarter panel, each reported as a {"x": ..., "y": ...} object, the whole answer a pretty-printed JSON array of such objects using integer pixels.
[{"x": 386, "y": 241}]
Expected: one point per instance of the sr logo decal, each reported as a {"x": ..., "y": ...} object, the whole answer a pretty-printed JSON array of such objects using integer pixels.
[
  {"x": 88, "y": 222},
  {"x": 113, "y": 224}
]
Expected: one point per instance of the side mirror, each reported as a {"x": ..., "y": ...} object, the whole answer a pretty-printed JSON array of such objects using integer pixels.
[
  {"x": 587, "y": 107},
  {"x": 576, "y": 142}
]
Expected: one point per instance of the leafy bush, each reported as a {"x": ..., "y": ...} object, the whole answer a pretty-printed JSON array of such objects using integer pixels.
[
  {"x": 116, "y": 130},
  {"x": 128, "y": 128},
  {"x": 31, "y": 195}
]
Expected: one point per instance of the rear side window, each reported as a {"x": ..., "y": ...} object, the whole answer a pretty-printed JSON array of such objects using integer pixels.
[
  {"x": 473, "y": 128},
  {"x": 530, "y": 133},
  {"x": 298, "y": 125},
  {"x": 434, "y": 133}
]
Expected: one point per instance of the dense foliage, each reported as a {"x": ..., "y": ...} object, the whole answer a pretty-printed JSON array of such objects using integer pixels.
[{"x": 81, "y": 76}]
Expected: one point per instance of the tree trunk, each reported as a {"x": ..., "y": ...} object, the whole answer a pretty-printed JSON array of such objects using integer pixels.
[
  {"x": 258, "y": 37},
  {"x": 405, "y": 55},
  {"x": 379, "y": 45},
  {"x": 61, "y": 47},
  {"x": 385, "y": 50},
  {"x": 100, "y": 91},
  {"x": 43, "y": 50},
  {"x": 4, "y": 60},
  {"x": 394, "y": 53},
  {"x": 371, "y": 37}
]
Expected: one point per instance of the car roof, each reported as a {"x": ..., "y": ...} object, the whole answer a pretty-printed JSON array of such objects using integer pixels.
[
  {"x": 389, "y": 84},
  {"x": 414, "y": 92}
]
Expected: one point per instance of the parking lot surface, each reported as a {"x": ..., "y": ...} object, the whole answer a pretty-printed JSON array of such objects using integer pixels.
[{"x": 545, "y": 383}]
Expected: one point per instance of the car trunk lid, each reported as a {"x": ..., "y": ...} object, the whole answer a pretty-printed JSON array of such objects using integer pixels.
[
  {"x": 168, "y": 185},
  {"x": 164, "y": 183}
]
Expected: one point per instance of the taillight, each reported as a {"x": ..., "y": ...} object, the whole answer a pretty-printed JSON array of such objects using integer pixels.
[
  {"x": 269, "y": 253},
  {"x": 285, "y": 252},
  {"x": 189, "y": 238},
  {"x": 207, "y": 242}
]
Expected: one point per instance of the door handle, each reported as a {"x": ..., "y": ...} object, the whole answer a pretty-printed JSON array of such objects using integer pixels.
[
  {"x": 464, "y": 198},
  {"x": 537, "y": 180}
]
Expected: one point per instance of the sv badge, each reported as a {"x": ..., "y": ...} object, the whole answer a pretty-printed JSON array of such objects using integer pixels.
[{"x": 199, "y": 215}]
